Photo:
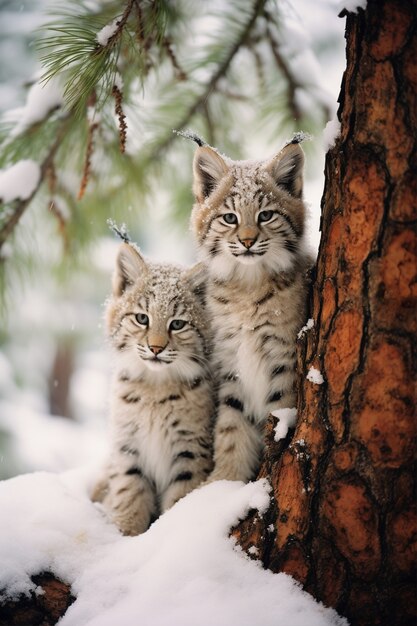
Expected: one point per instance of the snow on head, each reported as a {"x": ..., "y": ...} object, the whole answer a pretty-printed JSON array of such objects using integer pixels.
[
  {"x": 19, "y": 181},
  {"x": 183, "y": 570},
  {"x": 315, "y": 376}
]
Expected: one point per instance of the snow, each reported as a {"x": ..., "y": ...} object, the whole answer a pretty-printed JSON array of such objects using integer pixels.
[
  {"x": 307, "y": 327},
  {"x": 287, "y": 418},
  {"x": 19, "y": 181},
  {"x": 42, "y": 98},
  {"x": 330, "y": 134},
  {"x": 107, "y": 31},
  {"x": 49, "y": 442},
  {"x": 184, "y": 570},
  {"x": 315, "y": 376},
  {"x": 352, "y": 5},
  {"x": 118, "y": 81}
]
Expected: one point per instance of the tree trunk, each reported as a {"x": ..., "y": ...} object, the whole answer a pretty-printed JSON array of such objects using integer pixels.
[
  {"x": 38, "y": 609},
  {"x": 343, "y": 520}
]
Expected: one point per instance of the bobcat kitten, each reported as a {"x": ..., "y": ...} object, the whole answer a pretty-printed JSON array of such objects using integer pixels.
[
  {"x": 248, "y": 220},
  {"x": 161, "y": 401}
]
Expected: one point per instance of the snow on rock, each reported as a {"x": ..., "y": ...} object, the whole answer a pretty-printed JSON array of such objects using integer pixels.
[
  {"x": 330, "y": 134},
  {"x": 307, "y": 327},
  {"x": 107, "y": 31},
  {"x": 19, "y": 181},
  {"x": 315, "y": 376},
  {"x": 287, "y": 418},
  {"x": 184, "y": 570}
]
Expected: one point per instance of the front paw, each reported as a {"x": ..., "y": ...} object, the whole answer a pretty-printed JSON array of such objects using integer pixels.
[{"x": 130, "y": 525}]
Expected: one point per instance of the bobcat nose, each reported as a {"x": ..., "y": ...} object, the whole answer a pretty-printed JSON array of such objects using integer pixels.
[
  {"x": 248, "y": 242},
  {"x": 156, "y": 349}
]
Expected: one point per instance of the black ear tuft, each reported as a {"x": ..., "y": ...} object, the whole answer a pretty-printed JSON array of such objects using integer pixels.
[{"x": 189, "y": 134}]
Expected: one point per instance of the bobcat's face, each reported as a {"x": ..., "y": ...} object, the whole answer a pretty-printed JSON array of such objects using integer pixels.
[
  {"x": 248, "y": 217},
  {"x": 156, "y": 322}
]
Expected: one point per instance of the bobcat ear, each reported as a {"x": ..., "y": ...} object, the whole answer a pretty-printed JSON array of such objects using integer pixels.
[
  {"x": 196, "y": 277},
  {"x": 286, "y": 168},
  {"x": 130, "y": 265},
  {"x": 209, "y": 168}
]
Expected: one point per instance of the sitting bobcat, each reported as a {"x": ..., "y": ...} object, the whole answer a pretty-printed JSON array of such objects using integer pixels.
[
  {"x": 248, "y": 221},
  {"x": 161, "y": 401}
]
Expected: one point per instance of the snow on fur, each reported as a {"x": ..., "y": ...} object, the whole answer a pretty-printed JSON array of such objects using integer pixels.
[{"x": 184, "y": 570}]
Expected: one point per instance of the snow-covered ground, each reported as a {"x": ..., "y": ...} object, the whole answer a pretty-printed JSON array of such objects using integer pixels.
[{"x": 184, "y": 571}]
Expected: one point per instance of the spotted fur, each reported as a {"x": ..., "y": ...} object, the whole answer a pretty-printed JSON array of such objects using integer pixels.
[
  {"x": 248, "y": 221},
  {"x": 162, "y": 399}
]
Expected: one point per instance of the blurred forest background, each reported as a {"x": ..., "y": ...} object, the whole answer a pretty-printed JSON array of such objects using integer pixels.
[{"x": 243, "y": 74}]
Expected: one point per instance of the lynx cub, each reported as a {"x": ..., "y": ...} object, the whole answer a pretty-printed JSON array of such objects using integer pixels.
[
  {"x": 248, "y": 220},
  {"x": 162, "y": 402}
]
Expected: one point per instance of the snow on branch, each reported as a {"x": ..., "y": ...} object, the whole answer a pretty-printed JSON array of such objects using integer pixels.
[
  {"x": 37, "y": 175},
  {"x": 19, "y": 181},
  {"x": 120, "y": 231}
]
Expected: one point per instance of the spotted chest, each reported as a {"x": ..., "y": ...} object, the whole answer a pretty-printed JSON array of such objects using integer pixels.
[
  {"x": 254, "y": 342},
  {"x": 157, "y": 428}
]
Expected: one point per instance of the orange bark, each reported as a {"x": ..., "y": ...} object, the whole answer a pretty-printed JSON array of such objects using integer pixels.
[{"x": 344, "y": 511}]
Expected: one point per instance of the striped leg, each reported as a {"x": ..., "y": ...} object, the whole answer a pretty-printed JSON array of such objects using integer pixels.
[
  {"x": 237, "y": 444},
  {"x": 130, "y": 501},
  {"x": 191, "y": 463}
]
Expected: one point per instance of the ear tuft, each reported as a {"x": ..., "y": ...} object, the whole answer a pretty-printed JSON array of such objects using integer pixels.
[
  {"x": 286, "y": 168},
  {"x": 130, "y": 265},
  {"x": 209, "y": 168}
]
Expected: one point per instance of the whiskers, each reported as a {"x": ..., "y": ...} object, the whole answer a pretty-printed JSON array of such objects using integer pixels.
[{"x": 196, "y": 357}]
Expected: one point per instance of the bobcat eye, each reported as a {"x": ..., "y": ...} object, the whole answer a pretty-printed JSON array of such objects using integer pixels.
[
  {"x": 142, "y": 319},
  {"x": 265, "y": 216},
  {"x": 177, "y": 324},
  {"x": 230, "y": 218}
]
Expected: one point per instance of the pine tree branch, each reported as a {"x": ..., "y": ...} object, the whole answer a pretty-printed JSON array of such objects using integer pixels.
[
  {"x": 222, "y": 69},
  {"x": 120, "y": 25},
  {"x": 9, "y": 225},
  {"x": 292, "y": 84}
]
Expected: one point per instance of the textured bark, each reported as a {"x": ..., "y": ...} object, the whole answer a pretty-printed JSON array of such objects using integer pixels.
[
  {"x": 343, "y": 508},
  {"x": 41, "y": 609}
]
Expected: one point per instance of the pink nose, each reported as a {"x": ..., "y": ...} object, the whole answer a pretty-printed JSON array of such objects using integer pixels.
[
  {"x": 248, "y": 243},
  {"x": 156, "y": 349}
]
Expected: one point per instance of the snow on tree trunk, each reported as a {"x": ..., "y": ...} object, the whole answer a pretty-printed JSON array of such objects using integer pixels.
[
  {"x": 42, "y": 609},
  {"x": 343, "y": 520}
]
